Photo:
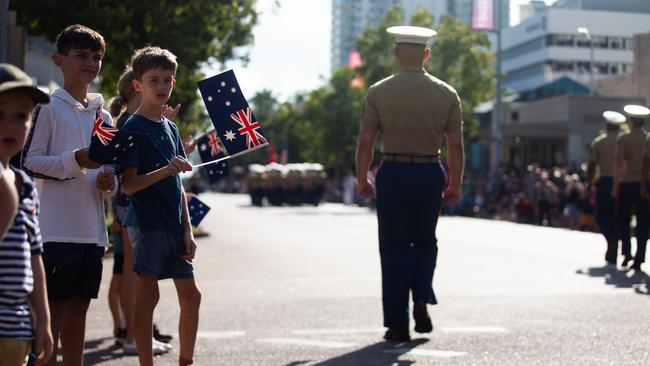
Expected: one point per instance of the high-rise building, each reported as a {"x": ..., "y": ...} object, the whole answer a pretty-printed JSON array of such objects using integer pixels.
[
  {"x": 351, "y": 17},
  {"x": 547, "y": 46}
]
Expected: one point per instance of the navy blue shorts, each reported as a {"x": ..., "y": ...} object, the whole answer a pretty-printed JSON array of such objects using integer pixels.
[
  {"x": 158, "y": 254},
  {"x": 72, "y": 270}
]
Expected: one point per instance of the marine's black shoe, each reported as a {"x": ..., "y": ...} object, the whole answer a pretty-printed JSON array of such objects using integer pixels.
[
  {"x": 160, "y": 337},
  {"x": 626, "y": 261},
  {"x": 394, "y": 335},
  {"x": 422, "y": 319}
]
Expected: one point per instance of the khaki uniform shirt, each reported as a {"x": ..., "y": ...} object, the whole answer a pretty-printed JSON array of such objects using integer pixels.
[
  {"x": 603, "y": 149},
  {"x": 411, "y": 110},
  {"x": 631, "y": 148}
]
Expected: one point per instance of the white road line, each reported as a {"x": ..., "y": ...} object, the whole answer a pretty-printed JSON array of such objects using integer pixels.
[
  {"x": 474, "y": 329},
  {"x": 220, "y": 334},
  {"x": 307, "y": 342},
  {"x": 424, "y": 352},
  {"x": 338, "y": 331},
  {"x": 332, "y": 279}
]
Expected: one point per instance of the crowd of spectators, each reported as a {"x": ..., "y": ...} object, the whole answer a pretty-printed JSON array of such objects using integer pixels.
[{"x": 557, "y": 196}]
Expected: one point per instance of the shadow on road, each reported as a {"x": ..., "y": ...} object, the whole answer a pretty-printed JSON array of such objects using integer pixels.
[
  {"x": 378, "y": 354},
  {"x": 638, "y": 280},
  {"x": 100, "y": 350}
]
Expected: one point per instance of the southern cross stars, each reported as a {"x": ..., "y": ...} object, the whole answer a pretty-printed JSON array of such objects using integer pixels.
[
  {"x": 223, "y": 84},
  {"x": 233, "y": 90},
  {"x": 203, "y": 147},
  {"x": 229, "y": 135},
  {"x": 209, "y": 98},
  {"x": 227, "y": 103}
]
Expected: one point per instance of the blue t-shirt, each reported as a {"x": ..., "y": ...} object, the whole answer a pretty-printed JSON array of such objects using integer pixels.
[
  {"x": 16, "y": 249},
  {"x": 158, "y": 206}
]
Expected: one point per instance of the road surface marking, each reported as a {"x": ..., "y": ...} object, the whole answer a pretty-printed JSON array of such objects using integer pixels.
[
  {"x": 307, "y": 342},
  {"x": 474, "y": 329},
  {"x": 424, "y": 352},
  {"x": 339, "y": 331},
  {"x": 220, "y": 334}
]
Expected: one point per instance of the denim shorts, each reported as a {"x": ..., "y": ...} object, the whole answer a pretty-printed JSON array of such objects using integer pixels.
[{"x": 158, "y": 254}]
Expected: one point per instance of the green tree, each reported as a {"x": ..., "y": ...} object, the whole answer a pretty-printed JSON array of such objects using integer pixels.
[
  {"x": 197, "y": 31},
  {"x": 332, "y": 115},
  {"x": 462, "y": 58}
]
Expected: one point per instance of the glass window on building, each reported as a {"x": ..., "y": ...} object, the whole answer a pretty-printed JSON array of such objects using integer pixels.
[
  {"x": 562, "y": 66},
  {"x": 616, "y": 43},
  {"x": 582, "y": 41},
  {"x": 601, "y": 68},
  {"x": 629, "y": 43},
  {"x": 614, "y": 69},
  {"x": 560, "y": 40},
  {"x": 583, "y": 67},
  {"x": 600, "y": 42}
]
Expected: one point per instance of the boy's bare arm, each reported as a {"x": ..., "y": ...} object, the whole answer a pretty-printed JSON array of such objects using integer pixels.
[
  {"x": 132, "y": 182},
  {"x": 43, "y": 342},
  {"x": 9, "y": 201}
]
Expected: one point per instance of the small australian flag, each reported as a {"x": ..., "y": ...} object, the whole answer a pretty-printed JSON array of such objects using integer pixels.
[
  {"x": 110, "y": 145},
  {"x": 230, "y": 113},
  {"x": 197, "y": 209},
  {"x": 210, "y": 149}
]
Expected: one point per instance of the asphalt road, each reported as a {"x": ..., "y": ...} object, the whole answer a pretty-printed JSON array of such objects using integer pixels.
[{"x": 301, "y": 286}]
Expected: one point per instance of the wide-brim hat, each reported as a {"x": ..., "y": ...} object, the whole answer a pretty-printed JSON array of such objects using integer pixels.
[
  {"x": 13, "y": 78},
  {"x": 614, "y": 118},
  {"x": 411, "y": 34}
]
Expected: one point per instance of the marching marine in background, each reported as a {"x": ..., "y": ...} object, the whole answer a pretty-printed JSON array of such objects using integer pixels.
[
  {"x": 603, "y": 150},
  {"x": 412, "y": 112},
  {"x": 290, "y": 184},
  {"x": 631, "y": 195}
]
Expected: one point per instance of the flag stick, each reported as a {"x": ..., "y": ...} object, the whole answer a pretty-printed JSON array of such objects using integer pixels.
[{"x": 230, "y": 156}]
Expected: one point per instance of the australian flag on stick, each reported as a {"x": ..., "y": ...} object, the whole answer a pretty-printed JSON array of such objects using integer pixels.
[
  {"x": 231, "y": 115},
  {"x": 196, "y": 208},
  {"x": 109, "y": 145},
  {"x": 210, "y": 149}
]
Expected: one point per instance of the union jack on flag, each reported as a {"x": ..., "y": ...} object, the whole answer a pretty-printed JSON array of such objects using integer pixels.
[
  {"x": 103, "y": 131},
  {"x": 110, "y": 145},
  {"x": 210, "y": 149},
  {"x": 232, "y": 117},
  {"x": 244, "y": 118}
]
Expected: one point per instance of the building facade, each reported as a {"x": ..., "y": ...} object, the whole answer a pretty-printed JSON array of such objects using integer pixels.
[{"x": 547, "y": 46}]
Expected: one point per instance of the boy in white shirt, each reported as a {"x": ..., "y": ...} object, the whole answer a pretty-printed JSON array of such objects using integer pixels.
[{"x": 71, "y": 189}]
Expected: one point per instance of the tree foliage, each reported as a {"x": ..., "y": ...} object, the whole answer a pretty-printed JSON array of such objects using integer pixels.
[{"x": 197, "y": 31}]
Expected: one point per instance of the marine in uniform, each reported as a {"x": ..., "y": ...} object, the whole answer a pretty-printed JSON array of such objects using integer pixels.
[
  {"x": 411, "y": 112},
  {"x": 630, "y": 194},
  {"x": 602, "y": 158}
]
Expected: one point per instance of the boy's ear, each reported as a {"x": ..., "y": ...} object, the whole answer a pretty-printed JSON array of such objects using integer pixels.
[
  {"x": 137, "y": 85},
  {"x": 173, "y": 83},
  {"x": 58, "y": 59}
]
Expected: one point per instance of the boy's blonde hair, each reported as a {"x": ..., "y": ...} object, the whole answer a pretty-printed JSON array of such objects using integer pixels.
[{"x": 148, "y": 58}]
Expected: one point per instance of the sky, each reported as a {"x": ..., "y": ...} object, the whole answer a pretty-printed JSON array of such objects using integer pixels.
[{"x": 291, "y": 50}]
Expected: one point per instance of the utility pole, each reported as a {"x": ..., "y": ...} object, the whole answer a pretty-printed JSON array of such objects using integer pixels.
[{"x": 4, "y": 31}]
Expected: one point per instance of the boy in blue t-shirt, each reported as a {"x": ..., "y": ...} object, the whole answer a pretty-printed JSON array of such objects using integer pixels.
[
  {"x": 157, "y": 213},
  {"x": 22, "y": 276}
]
